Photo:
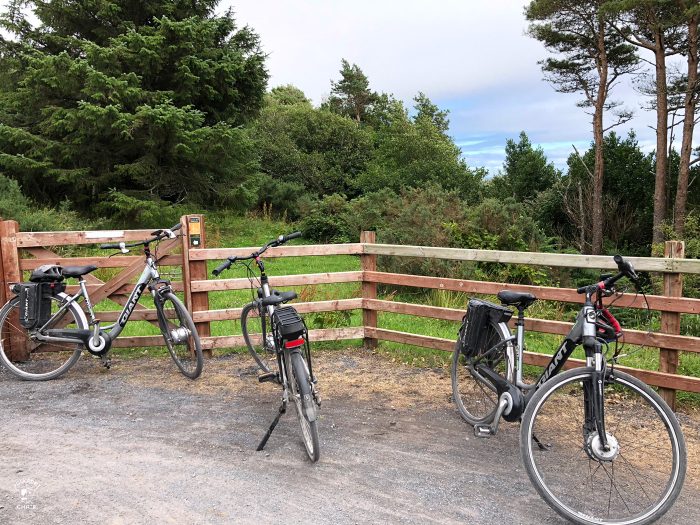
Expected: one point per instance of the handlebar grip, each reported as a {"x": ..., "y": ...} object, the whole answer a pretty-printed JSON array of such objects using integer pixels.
[
  {"x": 110, "y": 246},
  {"x": 176, "y": 227},
  {"x": 223, "y": 266},
  {"x": 626, "y": 267},
  {"x": 583, "y": 289},
  {"x": 291, "y": 236}
]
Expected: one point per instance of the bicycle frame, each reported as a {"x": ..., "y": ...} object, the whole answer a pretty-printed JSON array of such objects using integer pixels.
[
  {"x": 110, "y": 332},
  {"x": 514, "y": 396}
]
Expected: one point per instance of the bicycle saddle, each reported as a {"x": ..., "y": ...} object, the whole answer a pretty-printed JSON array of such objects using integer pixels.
[
  {"x": 77, "y": 271},
  {"x": 278, "y": 298},
  {"x": 519, "y": 299}
]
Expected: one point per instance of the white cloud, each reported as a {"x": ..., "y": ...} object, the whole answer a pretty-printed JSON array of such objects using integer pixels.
[{"x": 445, "y": 48}]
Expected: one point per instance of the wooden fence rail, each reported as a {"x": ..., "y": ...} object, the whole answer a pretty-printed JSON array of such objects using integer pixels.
[{"x": 24, "y": 251}]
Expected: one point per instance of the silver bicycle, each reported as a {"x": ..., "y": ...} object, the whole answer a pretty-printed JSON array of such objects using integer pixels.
[{"x": 43, "y": 330}]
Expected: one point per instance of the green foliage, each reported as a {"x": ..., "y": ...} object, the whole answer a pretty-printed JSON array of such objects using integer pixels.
[
  {"x": 628, "y": 191},
  {"x": 149, "y": 99},
  {"x": 526, "y": 172},
  {"x": 413, "y": 153},
  {"x": 314, "y": 148},
  {"x": 140, "y": 211},
  {"x": 351, "y": 96},
  {"x": 30, "y": 216}
]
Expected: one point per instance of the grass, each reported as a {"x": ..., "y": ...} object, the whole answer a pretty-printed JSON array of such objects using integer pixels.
[{"x": 233, "y": 231}]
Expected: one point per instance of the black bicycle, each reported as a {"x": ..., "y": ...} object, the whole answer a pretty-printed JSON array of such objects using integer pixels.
[
  {"x": 47, "y": 329},
  {"x": 599, "y": 445},
  {"x": 278, "y": 332}
]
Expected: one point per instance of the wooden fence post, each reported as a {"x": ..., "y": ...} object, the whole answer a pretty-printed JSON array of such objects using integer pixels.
[
  {"x": 11, "y": 273},
  {"x": 671, "y": 321},
  {"x": 194, "y": 238},
  {"x": 369, "y": 290}
]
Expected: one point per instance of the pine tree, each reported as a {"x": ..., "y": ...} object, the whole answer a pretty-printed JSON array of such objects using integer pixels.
[{"x": 146, "y": 98}]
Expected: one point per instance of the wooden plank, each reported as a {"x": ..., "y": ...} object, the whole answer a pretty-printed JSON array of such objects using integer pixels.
[
  {"x": 100, "y": 262},
  {"x": 336, "y": 305},
  {"x": 569, "y": 295},
  {"x": 636, "y": 337},
  {"x": 278, "y": 281},
  {"x": 690, "y": 384},
  {"x": 651, "y": 377},
  {"x": 671, "y": 321},
  {"x": 326, "y": 334},
  {"x": 30, "y": 239},
  {"x": 16, "y": 344},
  {"x": 124, "y": 289},
  {"x": 280, "y": 251},
  {"x": 596, "y": 262},
  {"x": 194, "y": 238},
  {"x": 130, "y": 272},
  {"x": 369, "y": 289}
]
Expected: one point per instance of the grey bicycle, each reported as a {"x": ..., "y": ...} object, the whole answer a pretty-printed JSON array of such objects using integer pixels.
[
  {"x": 599, "y": 445},
  {"x": 43, "y": 330},
  {"x": 270, "y": 329}
]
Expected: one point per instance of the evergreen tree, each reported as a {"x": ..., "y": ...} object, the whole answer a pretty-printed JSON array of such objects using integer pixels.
[
  {"x": 145, "y": 98},
  {"x": 526, "y": 171},
  {"x": 351, "y": 96}
]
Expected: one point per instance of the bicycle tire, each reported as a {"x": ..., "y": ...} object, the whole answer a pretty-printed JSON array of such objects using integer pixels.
[
  {"x": 250, "y": 311},
  {"x": 300, "y": 386},
  {"x": 631, "y": 473},
  {"x": 474, "y": 395},
  {"x": 45, "y": 362},
  {"x": 186, "y": 351}
]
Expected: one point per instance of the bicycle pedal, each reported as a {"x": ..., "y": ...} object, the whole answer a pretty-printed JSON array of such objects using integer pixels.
[
  {"x": 483, "y": 431},
  {"x": 270, "y": 376}
]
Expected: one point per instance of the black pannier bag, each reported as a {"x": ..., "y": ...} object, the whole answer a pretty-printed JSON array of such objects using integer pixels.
[
  {"x": 478, "y": 316},
  {"x": 289, "y": 325},
  {"x": 35, "y": 302}
]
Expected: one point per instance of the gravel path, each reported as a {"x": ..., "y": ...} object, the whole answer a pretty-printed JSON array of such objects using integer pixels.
[{"x": 142, "y": 444}]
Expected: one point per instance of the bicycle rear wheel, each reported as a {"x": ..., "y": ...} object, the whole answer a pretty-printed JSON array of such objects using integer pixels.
[
  {"x": 304, "y": 403},
  {"x": 25, "y": 356},
  {"x": 475, "y": 396},
  {"x": 258, "y": 345},
  {"x": 180, "y": 336},
  {"x": 635, "y": 482}
]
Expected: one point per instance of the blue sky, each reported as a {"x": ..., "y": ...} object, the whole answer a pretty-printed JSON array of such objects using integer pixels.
[{"x": 469, "y": 56}]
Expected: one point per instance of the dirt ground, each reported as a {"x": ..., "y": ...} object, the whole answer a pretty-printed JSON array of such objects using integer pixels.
[{"x": 141, "y": 444}]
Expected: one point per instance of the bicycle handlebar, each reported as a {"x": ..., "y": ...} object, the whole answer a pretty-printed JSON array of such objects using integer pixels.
[
  {"x": 279, "y": 240},
  {"x": 157, "y": 236},
  {"x": 625, "y": 270}
]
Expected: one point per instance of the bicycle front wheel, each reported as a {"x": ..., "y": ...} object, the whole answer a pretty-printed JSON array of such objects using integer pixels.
[
  {"x": 474, "y": 395},
  {"x": 304, "y": 403},
  {"x": 253, "y": 324},
  {"x": 180, "y": 336},
  {"x": 634, "y": 482},
  {"x": 28, "y": 358}
]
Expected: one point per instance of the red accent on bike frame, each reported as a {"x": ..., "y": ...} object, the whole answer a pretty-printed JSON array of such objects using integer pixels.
[
  {"x": 601, "y": 285},
  {"x": 610, "y": 318},
  {"x": 295, "y": 343}
]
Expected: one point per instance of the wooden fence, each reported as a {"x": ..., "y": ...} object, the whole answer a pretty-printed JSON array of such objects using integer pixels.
[{"x": 20, "y": 251}]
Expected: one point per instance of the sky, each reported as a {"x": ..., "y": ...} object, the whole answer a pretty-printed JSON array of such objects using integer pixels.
[{"x": 472, "y": 57}]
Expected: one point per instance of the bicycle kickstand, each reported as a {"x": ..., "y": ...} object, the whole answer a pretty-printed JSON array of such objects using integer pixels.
[
  {"x": 106, "y": 361},
  {"x": 282, "y": 410}
]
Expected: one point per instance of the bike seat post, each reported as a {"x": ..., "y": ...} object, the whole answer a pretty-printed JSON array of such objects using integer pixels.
[
  {"x": 88, "y": 304},
  {"x": 520, "y": 341}
]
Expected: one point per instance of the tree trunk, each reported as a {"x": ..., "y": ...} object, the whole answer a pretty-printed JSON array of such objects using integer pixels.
[
  {"x": 599, "y": 166},
  {"x": 598, "y": 171},
  {"x": 661, "y": 139},
  {"x": 688, "y": 127}
]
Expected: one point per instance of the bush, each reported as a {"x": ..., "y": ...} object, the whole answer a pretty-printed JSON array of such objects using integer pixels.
[
  {"x": 138, "y": 210},
  {"x": 32, "y": 217}
]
